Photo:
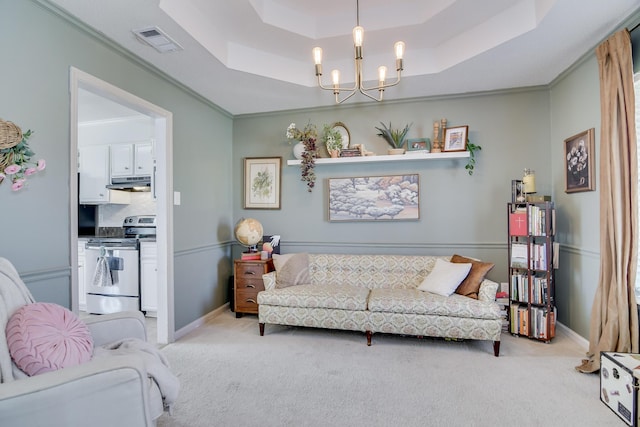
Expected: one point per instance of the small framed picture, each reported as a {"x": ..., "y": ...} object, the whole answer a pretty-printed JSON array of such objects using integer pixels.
[
  {"x": 517, "y": 195},
  {"x": 579, "y": 155},
  {"x": 418, "y": 144},
  {"x": 455, "y": 138},
  {"x": 262, "y": 182}
]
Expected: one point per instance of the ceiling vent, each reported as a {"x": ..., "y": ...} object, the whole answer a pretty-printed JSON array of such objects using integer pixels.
[{"x": 157, "y": 39}]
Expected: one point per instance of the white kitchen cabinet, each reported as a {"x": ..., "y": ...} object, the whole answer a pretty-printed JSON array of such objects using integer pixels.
[
  {"x": 132, "y": 159},
  {"x": 82, "y": 289},
  {"x": 93, "y": 166},
  {"x": 149, "y": 278},
  {"x": 143, "y": 158},
  {"x": 122, "y": 160}
]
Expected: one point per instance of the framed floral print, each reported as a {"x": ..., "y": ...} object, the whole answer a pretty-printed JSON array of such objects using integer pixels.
[
  {"x": 262, "y": 176},
  {"x": 579, "y": 155}
]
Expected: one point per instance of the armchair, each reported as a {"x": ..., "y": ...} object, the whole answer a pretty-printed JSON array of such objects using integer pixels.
[{"x": 106, "y": 391}]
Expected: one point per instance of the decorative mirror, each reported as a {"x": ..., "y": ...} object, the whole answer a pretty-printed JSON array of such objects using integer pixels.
[{"x": 346, "y": 137}]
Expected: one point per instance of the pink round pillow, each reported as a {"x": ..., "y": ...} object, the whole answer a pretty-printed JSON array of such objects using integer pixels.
[{"x": 44, "y": 337}]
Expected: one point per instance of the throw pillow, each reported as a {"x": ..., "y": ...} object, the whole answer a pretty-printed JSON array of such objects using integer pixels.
[
  {"x": 291, "y": 269},
  {"x": 445, "y": 277},
  {"x": 471, "y": 285},
  {"x": 45, "y": 337}
]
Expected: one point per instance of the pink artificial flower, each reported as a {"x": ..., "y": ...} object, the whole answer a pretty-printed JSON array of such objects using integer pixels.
[
  {"x": 18, "y": 184},
  {"x": 30, "y": 171},
  {"x": 11, "y": 169},
  {"x": 41, "y": 165}
]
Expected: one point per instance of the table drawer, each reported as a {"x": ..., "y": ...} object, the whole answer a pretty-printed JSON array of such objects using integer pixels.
[
  {"x": 255, "y": 285},
  {"x": 246, "y": 301},
  {"x": 250, "y": 271}
]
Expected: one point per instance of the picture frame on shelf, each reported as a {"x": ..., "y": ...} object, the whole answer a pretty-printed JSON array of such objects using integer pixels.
[
  {"x": 579, "y": 157},
  {"x": 418, "y": 144},
  {"x": 455, "y": 138},
  {"x": 368, "y": 198},
  {"x": 262, "y": 182},
  {"x": 517, "y": 195}
]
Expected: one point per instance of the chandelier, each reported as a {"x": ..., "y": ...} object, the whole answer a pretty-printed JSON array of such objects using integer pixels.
[{"x": 358, "y": 36}]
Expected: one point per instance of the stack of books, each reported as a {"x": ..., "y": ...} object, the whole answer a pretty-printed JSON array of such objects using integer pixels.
[
  {"x": 250, "y": 256},
  {"x": 350, "y": 152},
  {"x": 502, "y": 298}
]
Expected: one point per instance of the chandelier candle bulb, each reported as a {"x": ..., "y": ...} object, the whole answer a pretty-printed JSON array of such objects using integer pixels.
[
  {"x": 317, "y": 55},
  {"x": 382, "y": 74},
  {"x": 358, "y": 36},
  {"x": 335, "y": 76}
]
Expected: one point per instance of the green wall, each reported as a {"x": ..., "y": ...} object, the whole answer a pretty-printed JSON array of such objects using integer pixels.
[
  {"x": 39, "y": 46},
  {"x": 575, "y": 107},
  {"x": 458, "y": 213}
]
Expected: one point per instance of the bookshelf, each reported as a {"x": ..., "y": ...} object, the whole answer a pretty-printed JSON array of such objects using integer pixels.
[{"x": 532, "y": 311}]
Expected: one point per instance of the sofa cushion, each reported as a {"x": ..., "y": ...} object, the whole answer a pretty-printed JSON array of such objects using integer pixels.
[
  {"x": 317, "y": 296},
  {"x": 44, "y": 337},
  {"x": 470, "y": 286},
  {"x": 413, "y": 301},
  {"x": 291, "y": 269},
  {"x": 370, "y": 271},
  {"x": 445, "y": 277}
]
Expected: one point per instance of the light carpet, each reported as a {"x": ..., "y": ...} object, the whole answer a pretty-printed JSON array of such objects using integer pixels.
[{"x": 231, "y": 376}]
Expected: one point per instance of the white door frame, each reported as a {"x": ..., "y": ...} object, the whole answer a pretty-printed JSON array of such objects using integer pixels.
[{"x": 163, "y": 122}]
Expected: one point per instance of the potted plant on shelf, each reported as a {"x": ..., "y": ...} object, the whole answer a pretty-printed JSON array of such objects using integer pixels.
[
  {"x": 394, "y": 137},
  {"x": 332, "y": 139},
  {"x": 308, "y": 137}
]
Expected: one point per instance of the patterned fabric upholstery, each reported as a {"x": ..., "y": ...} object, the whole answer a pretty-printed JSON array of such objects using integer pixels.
[
  {"x": 377, "y": 293},
  {"x": 370, "y": 271},
  {"x": 418, "y": 302},
  {"x": 317, "y": 296}
]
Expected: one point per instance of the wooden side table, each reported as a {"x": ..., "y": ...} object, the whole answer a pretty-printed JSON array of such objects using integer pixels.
[{"x": 247, "y": 282}]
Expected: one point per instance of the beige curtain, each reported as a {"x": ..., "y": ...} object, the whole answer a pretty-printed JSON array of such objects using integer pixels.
[{"x": 614, "y": 317}]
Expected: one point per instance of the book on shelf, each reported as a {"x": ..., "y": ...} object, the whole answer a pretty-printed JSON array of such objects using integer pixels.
[
  {"x": 518, "y": 223},
  {"x": 519, "y": 255},
  {"x": 250, "y": 256},
  {"x": 350, "y": 152}
]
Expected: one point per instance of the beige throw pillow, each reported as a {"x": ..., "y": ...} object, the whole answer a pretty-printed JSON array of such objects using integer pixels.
[
  {"x": 445, "y": 277},
  {"x": 291, "y": 269}
]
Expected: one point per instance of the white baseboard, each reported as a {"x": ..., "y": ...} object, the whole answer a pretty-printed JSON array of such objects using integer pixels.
[
  {"x": 199, "y": 322},
  {"x": 573, "y": 336}
]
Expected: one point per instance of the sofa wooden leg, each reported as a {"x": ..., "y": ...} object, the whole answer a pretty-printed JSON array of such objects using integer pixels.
[
  {"x": 369, "y": 333},
  {"x": 496, "y": 348},
  {"x": 261, "y": 329}
]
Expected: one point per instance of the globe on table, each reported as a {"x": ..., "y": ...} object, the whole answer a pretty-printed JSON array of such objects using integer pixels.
[{"x": 248, "y": 233}]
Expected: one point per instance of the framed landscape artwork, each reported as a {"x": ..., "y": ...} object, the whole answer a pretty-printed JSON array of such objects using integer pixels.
[
  {"x": 374, "y": 198},
  {"x": 579, "y": 155},
  {"x": 262, "y": 177}
]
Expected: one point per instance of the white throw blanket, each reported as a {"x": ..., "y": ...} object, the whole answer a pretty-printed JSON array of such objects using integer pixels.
[
  {"x": 102, "y": 275},
  {"x": 156, "y": 364},
  {"x": 13, "y": 295}
]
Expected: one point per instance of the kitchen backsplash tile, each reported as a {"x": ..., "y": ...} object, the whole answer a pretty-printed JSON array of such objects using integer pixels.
[{"x": 112, "y": 215}]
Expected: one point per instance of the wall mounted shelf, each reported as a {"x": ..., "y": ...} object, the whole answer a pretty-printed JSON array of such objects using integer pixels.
[{"x": 387, "y": 158}]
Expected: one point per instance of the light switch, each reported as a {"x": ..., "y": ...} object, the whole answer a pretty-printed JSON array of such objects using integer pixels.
[{"x": 176, "y": 198}]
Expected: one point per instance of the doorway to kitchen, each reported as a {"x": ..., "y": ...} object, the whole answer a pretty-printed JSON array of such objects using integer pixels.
[{"x": 161, "y": 123}]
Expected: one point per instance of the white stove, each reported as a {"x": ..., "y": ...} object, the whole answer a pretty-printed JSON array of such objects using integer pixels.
[{"x": 116, "y": 288}]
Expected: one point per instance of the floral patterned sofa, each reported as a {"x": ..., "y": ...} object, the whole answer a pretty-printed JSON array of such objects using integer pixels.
[{"x": 378, "y": 293}]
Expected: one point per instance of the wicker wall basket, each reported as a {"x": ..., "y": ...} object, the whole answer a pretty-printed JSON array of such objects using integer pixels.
[{"x": 10, "y": 134}]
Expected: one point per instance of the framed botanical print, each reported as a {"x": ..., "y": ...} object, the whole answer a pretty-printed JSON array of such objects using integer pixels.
[
  {"x": 579, "y": 155},
  {"x": 262, "y": 176}
]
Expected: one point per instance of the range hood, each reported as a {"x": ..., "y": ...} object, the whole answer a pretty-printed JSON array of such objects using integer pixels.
[{"x": 131, "y": 183}]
